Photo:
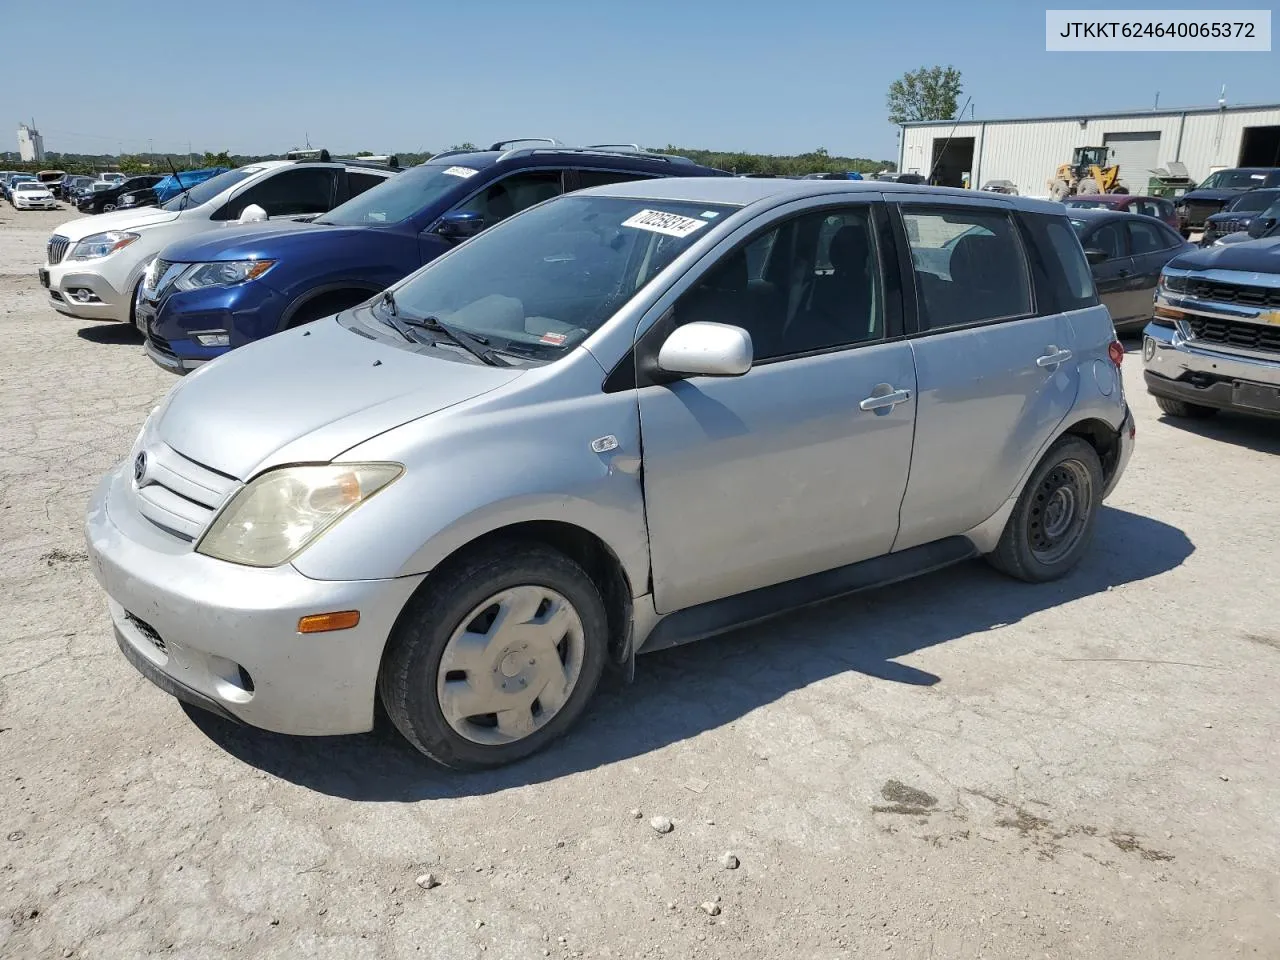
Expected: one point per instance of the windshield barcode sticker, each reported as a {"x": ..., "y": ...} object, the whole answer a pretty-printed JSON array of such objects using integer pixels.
[
  {"x": 671, "y": 224},
  {"x": 463, "y": 172}
]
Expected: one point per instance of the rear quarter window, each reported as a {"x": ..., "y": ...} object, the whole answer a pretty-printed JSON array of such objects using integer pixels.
[{"x": 1063, "y": 278}]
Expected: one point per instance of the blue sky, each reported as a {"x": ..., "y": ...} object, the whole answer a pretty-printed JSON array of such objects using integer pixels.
[{"x": 418, "y": 74}]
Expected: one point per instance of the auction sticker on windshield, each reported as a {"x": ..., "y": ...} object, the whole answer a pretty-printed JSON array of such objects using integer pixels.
[
  {"x": 463, "y": 172},
  {"x": 671, "y": 224}
]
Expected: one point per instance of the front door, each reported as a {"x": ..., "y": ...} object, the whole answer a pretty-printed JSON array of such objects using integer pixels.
[
  {"x": 994, "y": 379},
  {"x": 798, "y": 466}
]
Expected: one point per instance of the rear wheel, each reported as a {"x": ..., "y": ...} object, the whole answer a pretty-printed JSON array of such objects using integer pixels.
[
  {"x": 497, "y": 657},
  {"x": 1180, "y": 408},
  {"x": 1053, "y": 521}
]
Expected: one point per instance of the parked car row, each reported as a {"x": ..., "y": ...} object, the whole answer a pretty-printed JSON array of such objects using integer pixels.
[{"x": 471, "y": 486}]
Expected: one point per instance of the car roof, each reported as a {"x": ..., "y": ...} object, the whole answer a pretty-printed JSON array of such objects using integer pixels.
[
  {"x": 741, "y": 191},
  {"x": 620, "y": 158}
]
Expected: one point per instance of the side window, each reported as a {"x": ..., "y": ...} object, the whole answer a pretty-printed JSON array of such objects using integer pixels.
[
  {"x": 777, "y": 289},
  {"x": 1146, "y": 238},
  {"x": 1110, "y": 240},
  {"x": 1068, "y": 256},
  {"x": 598, "y": 178},
  {"x": 969, "y": 266},
  {"x": 294, "y": 192},
  {"x": 512, "y": 194},
  {"x": 358, "y": 183}
]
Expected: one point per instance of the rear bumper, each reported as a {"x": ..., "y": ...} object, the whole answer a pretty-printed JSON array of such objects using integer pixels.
[{"x": 1128, "y": 439}]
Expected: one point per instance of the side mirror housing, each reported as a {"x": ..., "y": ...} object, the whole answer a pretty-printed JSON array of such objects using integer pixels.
[
  {"x": 1094, "y": 255},
  {"x": 460, "y": 225},
  {"x": 707, "y": 350},
  {"x": 1259, "y": 226},
  {"x": 252, "y": 214}
]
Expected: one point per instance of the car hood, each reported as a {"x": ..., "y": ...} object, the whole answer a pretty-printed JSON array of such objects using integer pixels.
[
  {"x": 307, "y": 395},
  {"x": 1217, "y": 194},
  {"x": 249, "y": 241},
  {"x": 1231, "y": 215},
  {"x": 1234, "y": 238},
  {"x": 116, "y": 220},
  {"x": 1261, "y": 256}
]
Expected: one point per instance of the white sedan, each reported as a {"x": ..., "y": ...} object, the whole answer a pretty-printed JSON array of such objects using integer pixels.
[{"x": 31, "y": 195}]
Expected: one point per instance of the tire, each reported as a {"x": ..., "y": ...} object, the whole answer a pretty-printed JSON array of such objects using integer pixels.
[
  {"x": 1180, "y": 408},
  {"x": 426, "y": 695},
  {"x": 108, "y": 207},
  {"x": 1063, "y": 492}
]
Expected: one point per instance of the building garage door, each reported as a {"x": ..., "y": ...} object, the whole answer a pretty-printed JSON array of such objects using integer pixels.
[{"x": 1137, "y": 153}]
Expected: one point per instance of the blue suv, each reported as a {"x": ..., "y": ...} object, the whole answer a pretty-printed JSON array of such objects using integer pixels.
[{"x": 218, "y": 291}]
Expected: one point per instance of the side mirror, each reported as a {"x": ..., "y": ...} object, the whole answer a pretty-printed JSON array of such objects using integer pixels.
[
  {"x": 252, "y": 214},
  {"x": 459, "y": 225},
  {"x": 1259, "y": 226},
  {"x": 1094, "y": 255},
  {"x": 706, "y": 349}
]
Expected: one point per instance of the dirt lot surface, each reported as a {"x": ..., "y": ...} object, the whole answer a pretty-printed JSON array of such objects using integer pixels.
[{"x": 962, "y": 766}]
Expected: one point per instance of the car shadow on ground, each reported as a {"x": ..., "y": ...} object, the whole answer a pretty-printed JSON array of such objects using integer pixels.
[
  {"x": 682, "y": 692},
  {"x": 1260, "y": 433},
  {"x": 111, "y": 333}
]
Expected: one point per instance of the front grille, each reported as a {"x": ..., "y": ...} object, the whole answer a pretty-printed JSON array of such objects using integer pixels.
[
  {"x": 178, "y": 494},
  {"x": 1243, "y": 294},
  {"x": 162, "y": 345},
  {"x": 1233, "y": 226},
  {"x": 1235, "y": 333},
  {"x": 1197, "y": 211},
  {"x": 57, "y": 249}
]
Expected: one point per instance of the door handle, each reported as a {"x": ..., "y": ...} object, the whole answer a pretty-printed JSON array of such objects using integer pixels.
[
  {"x": 884, "y": 397},
  {"x": 1052, "y": 357},
  {"x": 1123, "y": 273}
]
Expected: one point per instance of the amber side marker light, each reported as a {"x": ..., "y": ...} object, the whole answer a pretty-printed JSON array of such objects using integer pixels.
[
  {"x": 324, "y": 622},
  {"x": 1170, "y": 313}
]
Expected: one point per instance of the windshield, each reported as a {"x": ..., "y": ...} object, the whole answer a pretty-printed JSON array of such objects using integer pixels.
[
  {"x": 204, "y": 192},
  {"x": 1232, "y": 180},
  {"x": 28, "y": 185},
  {"x": 400, "y": 197},
  {"x": 541, "y": 282},
  {"x": 1253, "y": 201}
]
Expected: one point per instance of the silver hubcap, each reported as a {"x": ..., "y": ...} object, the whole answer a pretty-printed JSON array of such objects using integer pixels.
[
  {"x": 1060, "y": 511},
  {"x": 511, "y": 665}
]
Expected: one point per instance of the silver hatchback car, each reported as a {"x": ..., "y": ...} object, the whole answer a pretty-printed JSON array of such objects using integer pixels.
[{"x": 624, "y": 419}]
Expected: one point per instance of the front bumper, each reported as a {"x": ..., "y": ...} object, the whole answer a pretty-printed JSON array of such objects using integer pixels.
[
  {"x": 1179, "y": 370},
  {"x": 224, "y": 637},
  {"x": 244, "y": 312},
  {"x": 85, "y": 296}
]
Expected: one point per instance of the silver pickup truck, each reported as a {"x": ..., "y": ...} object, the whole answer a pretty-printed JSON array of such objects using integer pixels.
[{"x": 1214, "y": 341}]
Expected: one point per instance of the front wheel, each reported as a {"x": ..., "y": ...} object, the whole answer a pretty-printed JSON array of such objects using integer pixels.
[
  {"x": 1054, "y": 518},
  {"x": 497, "y": 657},
  {"x": 1180, "y": 408},
  {"x": 108, "y": 207}
]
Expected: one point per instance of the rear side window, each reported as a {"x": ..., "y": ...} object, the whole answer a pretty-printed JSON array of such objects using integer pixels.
[
  {"x": 1147, "y": 238},
  {"x": 598, "y": 178},
  {"x": 969, "y": 266},
  {"x": 358, "y": 183},
  {"x": 1063, "y": 278},
  {"x": 293, "y": 192}
]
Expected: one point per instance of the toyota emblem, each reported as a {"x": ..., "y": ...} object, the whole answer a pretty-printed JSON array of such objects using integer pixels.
[{"x": 139, "y": 468}]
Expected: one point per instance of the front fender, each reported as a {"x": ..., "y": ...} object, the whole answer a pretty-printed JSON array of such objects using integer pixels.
[{"x": 518, "y": 455}]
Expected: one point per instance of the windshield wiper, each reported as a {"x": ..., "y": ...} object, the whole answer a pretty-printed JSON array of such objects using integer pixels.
[
  {"x": 475, "y": 345},
  {"x": 392, "y": 315}
]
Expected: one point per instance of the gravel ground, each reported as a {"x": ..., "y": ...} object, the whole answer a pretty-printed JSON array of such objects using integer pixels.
[{"x": 961, "y": 766}]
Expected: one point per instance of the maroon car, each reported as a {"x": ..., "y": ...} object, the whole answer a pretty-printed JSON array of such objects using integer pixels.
[{"x": 1156, "y": 207}]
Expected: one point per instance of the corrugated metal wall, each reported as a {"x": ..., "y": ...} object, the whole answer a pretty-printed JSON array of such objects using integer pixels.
[{"x": 1028, "y": 152}]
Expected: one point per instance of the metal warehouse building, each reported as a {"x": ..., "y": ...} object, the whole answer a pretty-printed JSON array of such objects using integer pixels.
[{"x": 1028, "y": 151}]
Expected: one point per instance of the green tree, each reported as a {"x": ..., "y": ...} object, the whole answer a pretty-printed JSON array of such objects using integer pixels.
[
  {"x": 930, "y": 93},
  {"x": 222, "y": 159}
]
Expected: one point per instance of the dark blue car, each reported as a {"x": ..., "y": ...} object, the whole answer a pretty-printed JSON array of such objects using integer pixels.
[{"x": 228, "y": 287}]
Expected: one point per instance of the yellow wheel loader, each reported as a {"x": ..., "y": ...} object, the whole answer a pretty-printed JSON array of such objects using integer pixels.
[{"x": 1088, "y": 172}]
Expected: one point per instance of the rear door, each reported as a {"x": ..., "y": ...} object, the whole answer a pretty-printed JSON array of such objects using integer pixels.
[
  {"x": 1152, "y": 247},
  {"x": 995, "y": 375}
]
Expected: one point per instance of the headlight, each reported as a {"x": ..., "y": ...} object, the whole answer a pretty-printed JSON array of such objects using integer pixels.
[
  {"x": 221, "y": 274},
  {"x": 1168, "y": 284},
  {"x": 101, "y": 244},
  {"x": 282, "y": 512}
]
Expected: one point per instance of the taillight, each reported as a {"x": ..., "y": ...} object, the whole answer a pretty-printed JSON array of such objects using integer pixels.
[{"x": 1115, "y": 350}]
